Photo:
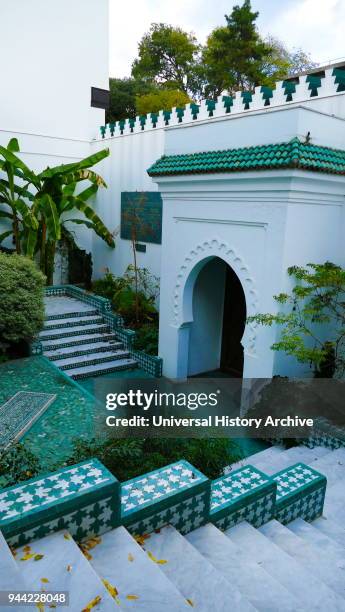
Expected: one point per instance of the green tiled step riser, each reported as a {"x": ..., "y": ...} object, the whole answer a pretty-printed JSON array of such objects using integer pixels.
[
  {"x": 101, "y": 338},
  {"x": 256, "y": 512},
  {"x": 83, "y": 498},
  {"x": 100, "y": 349},
  {"x": 87, "y": 362},
  {"x": 322, "y": 439},
  {"x": 130, "y": 366},
  {"x": 184, "y": 516},
  {"x": 69, "y": 315},
  {"x": 308, "y": 507},
  {"x": 81, "y": 332},
  {"x": 83, "y": 523},
  {"x": 63, "y": 325}
]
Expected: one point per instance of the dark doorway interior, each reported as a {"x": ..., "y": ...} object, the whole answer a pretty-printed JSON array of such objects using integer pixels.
[{"x": 234, "y": 321}]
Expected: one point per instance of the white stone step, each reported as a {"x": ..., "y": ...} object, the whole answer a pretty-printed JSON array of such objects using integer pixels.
[
  {"x": 70, "y": 331},
  {"x": 322, "y": 566},
  {"x": 139, "y": 582},
  {"x": 78, "y": 340},
  {"x": 193, "y": 575},
  {"x": 117, "y": 364},
  {"x": 61, "y": 305},
  {"x": 65, "y": 568},
  {"x": 255, "y": 584},
  {"x": 72, "y": 321},
  {"x": 10, "y": 576},
  {"x": 310, "y": 534},
  {"x": 330, "y": 528},
  {"x": 332, "y": 466},
  {"x": 334, "y": 507},
  {"x": 268, "y": 454},
  {"x": 84, "y": 349},
  {"x": 313, "y": 594},
  {"x": 289, "y": 457},
  {"x": 73, "y": 362}
]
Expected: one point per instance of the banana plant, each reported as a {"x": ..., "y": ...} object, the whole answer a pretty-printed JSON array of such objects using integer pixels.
[
  {"x": 40, "y": 216},
  {"x": 16, "y": 198}
]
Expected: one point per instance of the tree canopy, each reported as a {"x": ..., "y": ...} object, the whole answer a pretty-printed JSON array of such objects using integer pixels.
[
  {"x": 168, "y": 56},
  {"x": 172, "y": 64}
]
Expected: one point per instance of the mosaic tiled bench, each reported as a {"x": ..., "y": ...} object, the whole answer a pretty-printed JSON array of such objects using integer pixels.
[
  {"x": 300, "y": 493},
  {"x": 246, "y": 494},
  {"x": 83, "y": 498},
  {"x": 177, "y": 494},
  {"x": 19, "y": 413}
]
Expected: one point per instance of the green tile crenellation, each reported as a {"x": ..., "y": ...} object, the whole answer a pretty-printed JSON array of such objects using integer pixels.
[
  {"x": 247, "y": 494},
  {"x": 300, "y": 493},
  {"x": 83, "y": 498},
  {"x": 292, "y": 154},
  {"x": 177, "y": 494}
]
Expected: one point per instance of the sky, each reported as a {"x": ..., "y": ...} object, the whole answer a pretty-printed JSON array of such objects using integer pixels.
[{"x": 315, "y": 25}]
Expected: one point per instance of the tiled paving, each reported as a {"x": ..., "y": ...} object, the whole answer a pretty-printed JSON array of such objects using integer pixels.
[{"x": 74, "y": 413}]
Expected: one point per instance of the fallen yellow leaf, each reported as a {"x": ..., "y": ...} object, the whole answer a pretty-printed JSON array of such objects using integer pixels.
[
  {"x": 155, "y": 560},
  {"x": 190, "y": 602},
  {"x": 130, "y": 557},
  {"x": 132, "y": 597},
  {"x": 110, "y": 588},
  {"x": 26, "y": 548},
  {"x": 38, "y": 557},
  {"x": 141, "y": 538},
  {"x": 67, "y": 536},
  {"x": 27, "y": 556},
  {"x": 44, "y": 580},
  {"x": 89, "y": 544},
  {"x": 92, "y": 604}
]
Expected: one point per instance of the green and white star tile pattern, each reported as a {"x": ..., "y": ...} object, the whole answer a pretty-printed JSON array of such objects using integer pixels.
[
  {"x": 19, "y": 413},
  {"x": 246, "y": 494},
  {"x": 83, "y": 498},
  {"x": 300, "y": 493},
  {"x": 177, "y": 494}
]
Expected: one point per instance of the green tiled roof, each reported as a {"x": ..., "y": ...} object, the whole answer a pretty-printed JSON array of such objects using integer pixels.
[{"x": 293, "y": 154}]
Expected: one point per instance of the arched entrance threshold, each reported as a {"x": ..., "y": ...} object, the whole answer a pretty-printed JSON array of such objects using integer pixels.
[{"x": 218, "y": 321}]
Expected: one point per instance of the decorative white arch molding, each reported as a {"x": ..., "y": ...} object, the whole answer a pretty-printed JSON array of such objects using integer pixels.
[{"x": 201, "y": 252}]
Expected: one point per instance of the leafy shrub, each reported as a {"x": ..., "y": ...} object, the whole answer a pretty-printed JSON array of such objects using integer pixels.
[
  {"x": 136, "y": 309},
  {"x": 132, "y": 295},
  {"x": 127, "y": 458},
  {"x": 21, "y": 304},
  {"x": 17, "y": 464},
  {"x": 108, "y": 285},
  {"x": 146, "y": 339}
]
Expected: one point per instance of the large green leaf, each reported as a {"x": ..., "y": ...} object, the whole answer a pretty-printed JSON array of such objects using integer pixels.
[
  {"x": 5, "y": 235},
  {"x": 45, "y": 204},
  {"x": 5, "y": 214},
  {"x": 65, "y": 169},
  {"x": 14, "y": 161},
  {"x": 30, "y": 242},
  {"x": 90, "y": 214},
  {"x": 108, "y": 238},
  {"x": 13, "y": 145},
  {"x": 28, "y": 217},
  {"x": 22, "y": 191}
]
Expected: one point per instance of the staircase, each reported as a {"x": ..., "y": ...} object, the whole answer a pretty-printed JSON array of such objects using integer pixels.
[
  {"x": 78, "y": 341},
  {"x": 299, "y": 567}
]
